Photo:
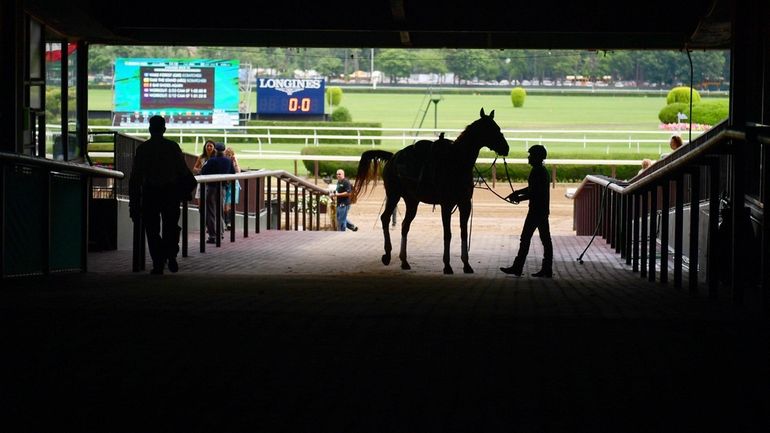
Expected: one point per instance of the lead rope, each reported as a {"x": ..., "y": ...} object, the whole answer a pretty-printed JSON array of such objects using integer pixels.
[
  {"x": 508, "y": 176},
  {"x": 598, "y": 222}
]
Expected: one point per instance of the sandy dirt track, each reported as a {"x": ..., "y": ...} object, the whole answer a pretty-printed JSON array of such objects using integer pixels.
[{"x": 490, "y": 213}]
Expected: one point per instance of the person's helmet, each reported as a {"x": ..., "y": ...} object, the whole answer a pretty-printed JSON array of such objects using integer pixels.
[
  {"x": 538, "y": 151},
  {"x": 219, "y": 147}
]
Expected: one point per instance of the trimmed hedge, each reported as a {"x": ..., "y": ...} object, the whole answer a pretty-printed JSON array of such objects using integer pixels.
[
  {"x": 100, "y": 122},
  {"x": 682, "y": 94},
  {"x": 668, "y": 113},
  {"x": 333, "y": 95},
  {"x": 518, "y": 95},
  {"x": 517, "y": 172},
  {"x": 705, "y": 112},
  {"x": 341, "y": 114},
  {"x": 329, "y": 168},
  {"x": 710, "y": 112}
]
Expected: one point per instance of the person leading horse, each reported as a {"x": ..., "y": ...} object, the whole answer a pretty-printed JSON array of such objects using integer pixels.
[{"x": 435, "y": 172}]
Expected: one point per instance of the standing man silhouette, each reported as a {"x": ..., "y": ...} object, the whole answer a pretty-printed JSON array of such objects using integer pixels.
[
  {"x": 538, "y": 194},
  {"x": 159, "y": 181}
]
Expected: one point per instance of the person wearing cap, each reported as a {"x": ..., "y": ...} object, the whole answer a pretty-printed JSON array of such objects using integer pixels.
[
  {"x": 219, "y": 164},
  {"x": 157, "y": 185},
  {"x": 538, "y": 194}
]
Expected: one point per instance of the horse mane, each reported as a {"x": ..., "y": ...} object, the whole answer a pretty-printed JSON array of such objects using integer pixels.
[{"x": 463, "y": 134}]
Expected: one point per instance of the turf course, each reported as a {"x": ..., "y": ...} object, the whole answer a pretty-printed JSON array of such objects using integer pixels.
[
  {"x": 540, "y": 112},
  {"x": 456, "y": 111}
]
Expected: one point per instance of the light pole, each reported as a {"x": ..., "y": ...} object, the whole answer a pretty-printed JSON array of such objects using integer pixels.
[{"x": 435, "y": 101}]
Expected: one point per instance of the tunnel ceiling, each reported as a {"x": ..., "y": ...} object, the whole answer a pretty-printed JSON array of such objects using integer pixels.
[{"x": 603, "y": 24}]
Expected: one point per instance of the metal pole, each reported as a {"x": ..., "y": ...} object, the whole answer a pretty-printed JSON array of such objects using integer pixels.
[
  {"x": 246, "y": 183},
  {"x": 202, "y": 216}
]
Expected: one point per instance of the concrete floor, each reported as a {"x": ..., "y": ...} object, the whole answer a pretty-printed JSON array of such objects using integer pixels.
[{"x": 309, "y": 332}]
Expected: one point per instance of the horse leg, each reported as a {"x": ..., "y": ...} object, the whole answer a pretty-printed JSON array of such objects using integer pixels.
[
  {"x": 446, "y": 221},
  {"x": 390, "y": 204},
  {"x": 411, "y": 211},
  {"x": 465, "y": 212}
]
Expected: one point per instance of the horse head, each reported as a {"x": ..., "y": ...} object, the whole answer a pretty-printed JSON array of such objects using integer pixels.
[{"x": 489, "y": 134}]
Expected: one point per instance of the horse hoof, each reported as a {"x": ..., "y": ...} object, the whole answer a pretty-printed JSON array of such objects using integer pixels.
[
  {"x": 467, "y": 269},
  {"x": 386, "y": 259},
  {"x": 448, "y": 270},
  {"x": 405, "y": 266}
]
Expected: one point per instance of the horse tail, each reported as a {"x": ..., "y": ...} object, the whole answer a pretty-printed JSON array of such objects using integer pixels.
[{"x": 369, "y": 168}]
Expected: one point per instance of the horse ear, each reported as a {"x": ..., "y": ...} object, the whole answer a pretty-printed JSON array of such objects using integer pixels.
[
  {"x": 492, "y": 114},
  {"x": 481, "y": 113}
]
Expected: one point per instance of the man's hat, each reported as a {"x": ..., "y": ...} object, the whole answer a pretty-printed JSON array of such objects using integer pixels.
[{"x": 219, "y": 147}]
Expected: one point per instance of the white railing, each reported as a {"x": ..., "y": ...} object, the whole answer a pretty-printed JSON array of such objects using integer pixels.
[{"x": 261, "y": 136}]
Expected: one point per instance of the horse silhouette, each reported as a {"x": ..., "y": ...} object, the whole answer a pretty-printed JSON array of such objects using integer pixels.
[{"x": 435, "y": 172}]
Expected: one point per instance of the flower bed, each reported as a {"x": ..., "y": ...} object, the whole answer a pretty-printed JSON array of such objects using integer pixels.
[{"x": 683, "y": 127}]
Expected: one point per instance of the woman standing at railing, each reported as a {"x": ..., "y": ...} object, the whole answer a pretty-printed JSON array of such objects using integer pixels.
[
  {"x": 209, "y": 151},
  {"x": 230, "y": 153}
]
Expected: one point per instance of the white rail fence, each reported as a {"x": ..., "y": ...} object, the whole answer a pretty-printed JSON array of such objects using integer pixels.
[{"x": 259, "y": 137}]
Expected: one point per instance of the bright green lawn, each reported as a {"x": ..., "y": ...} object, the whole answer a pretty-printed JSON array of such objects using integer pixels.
[{"x": 456, "y": 111}]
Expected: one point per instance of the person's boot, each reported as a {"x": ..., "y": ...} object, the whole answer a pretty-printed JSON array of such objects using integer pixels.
[
  {"x": 516, "y": 268},
  {"x": 546, "y": 271},
  {"x": 173, "y": 266}
]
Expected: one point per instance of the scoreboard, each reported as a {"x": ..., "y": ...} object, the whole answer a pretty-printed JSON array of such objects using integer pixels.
[{"x": 290, "y": 96}]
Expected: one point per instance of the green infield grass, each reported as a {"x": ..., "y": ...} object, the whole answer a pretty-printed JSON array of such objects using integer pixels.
[
  {"x": 456, "y": 111},
  {"x": 545, "y": 114}
]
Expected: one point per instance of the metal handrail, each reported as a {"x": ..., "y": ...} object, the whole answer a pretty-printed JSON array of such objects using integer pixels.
[
  {"x": 678, "y": 161},
  {"x": 627, "y": 214},
  {"x": 281, "y": 174},
  {"x": 61, "y": 165}
]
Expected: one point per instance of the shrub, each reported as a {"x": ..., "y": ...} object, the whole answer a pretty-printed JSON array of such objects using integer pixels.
[
  {"x": 682, "y": 94},
  {"x": 517, "y": 172},
  {"x": 518, "y": 95},
  {"x": 341, "y": 114},
  {"x": 668, "y": 113},
  {"x": 100, "y": 122},
  {"x": 333, "y": 95},
  {"x": 710, "y": 112},
  {"x": 329, "y": 168}
]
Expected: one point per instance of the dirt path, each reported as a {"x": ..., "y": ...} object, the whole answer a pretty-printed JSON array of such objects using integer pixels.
[{"x": 490, "y": 213}]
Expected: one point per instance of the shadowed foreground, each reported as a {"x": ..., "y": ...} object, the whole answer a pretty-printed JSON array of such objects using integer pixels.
[{"x": 340, "y": 343}]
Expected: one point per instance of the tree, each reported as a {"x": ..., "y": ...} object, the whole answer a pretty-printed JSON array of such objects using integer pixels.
[
  {"x": 395, "y": 63},
  {"x": 429, "y": 62},
  {"x": 469, "y": 64}
]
